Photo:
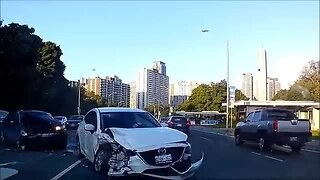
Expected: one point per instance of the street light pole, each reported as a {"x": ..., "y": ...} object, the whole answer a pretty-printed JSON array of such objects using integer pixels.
[
  {"x": 227, "y": 121},
  {"x": 79, "y": 98},
  {"x": 79, "y": 93}
]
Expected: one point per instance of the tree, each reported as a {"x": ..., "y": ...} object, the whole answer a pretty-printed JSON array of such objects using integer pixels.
[
  {"x": 309, "y": 81},
  {"x": 18, "y": 60},
  {"x": 306, "y": 87},
  {"x": 209, "y": 97}
]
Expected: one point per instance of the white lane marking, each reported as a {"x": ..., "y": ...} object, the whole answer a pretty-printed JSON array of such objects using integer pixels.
[
  {"x": 266, "y": 156},
  {"x": 257, "y": 153},
  {"x": 8, "y": 163},
  {"x": 7, "y": 172},
  {"x": 66, "y": 170},
  {"x": 205, "y": 138},
  {"x": 213, "y": 133},
  {"x": 270, "y": 157},
  {"x": 308, "y": 150}
]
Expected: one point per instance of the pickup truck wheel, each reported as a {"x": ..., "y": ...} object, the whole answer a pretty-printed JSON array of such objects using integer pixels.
[
  {"x": 296, "y": 148},
  {"x": 263, "y": 145},
  {"x": 101, "y": 161},
  {"x": 238, "y": 139}
]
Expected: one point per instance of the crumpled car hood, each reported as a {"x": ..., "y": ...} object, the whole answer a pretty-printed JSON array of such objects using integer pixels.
[{"x": 145, "y": 138}]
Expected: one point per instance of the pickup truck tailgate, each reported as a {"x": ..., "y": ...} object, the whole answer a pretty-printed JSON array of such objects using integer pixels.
[{"x": 296, "y": 125}]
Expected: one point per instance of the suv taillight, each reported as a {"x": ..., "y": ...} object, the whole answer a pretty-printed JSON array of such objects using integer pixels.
[
  {"x": 275, "y": 125},
  {"x": 170, "y": 123}
]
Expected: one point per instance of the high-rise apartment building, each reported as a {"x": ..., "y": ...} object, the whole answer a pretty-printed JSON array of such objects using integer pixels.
[
  {"x": 160, "y": 66},
  {"x": 184, "y": 88},
  {"x": 247, "y": 85},
  {"x": 133, "y": 95},
  {"x": 177, "y": 100},
  {"x": 152, "y": 86},
  {"x": 262, "y": 75},
  {"x": 273, "y": 87},
  {"x": 112, "y": 88},
  {"x": 94, "y": 85}
]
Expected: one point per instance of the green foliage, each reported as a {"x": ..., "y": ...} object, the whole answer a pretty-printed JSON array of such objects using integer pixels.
[
  {"x": 32, "y": 75},
  {"x": 306, "y": 87},
  {"x": 209, "y": 98}
]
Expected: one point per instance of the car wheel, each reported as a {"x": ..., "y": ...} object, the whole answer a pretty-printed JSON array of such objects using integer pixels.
[
  {"x": 20, "y": 145},
  {"x": 238, "y": 139},
  {"x": 77, "y": 151},
  {"x": 1, "y": 137},
  {"x": 101, "y": 161},
  {"x": 296, "y": 148},
  {"x": 263, "y": 145}
]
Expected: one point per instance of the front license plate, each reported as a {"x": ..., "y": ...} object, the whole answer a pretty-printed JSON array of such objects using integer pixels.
[
  {"x": 166, "y": 158},
  {"x": 179, "y": 125},
  {"x": 72, "y": 125},
  {"x": 293, "y": 138}
]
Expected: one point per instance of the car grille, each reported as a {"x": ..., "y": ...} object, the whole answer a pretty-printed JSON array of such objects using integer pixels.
[
  {"x": 161, "y": 172},
  {"x": 149, "y": 156}
]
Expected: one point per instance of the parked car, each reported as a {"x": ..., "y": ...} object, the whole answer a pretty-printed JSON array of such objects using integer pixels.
[
  {"x": 125, "y": 141},
  {"x": 26, "y": 128},
  {"x": 180, "y": 123},
  {"x": 74, "y": 121},
  {"x": 62, "y": 119},
  {"x": 164, "y": 121},
  {"x": 273, "y": 126}
]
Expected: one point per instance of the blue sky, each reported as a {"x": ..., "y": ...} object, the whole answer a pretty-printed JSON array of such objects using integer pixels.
[{"x": 117, "y": 38}]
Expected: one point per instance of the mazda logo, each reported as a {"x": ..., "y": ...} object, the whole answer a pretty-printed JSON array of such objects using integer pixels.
[
  {"x": 162, "y": 151},
  {"x": 294, "y": 122}
]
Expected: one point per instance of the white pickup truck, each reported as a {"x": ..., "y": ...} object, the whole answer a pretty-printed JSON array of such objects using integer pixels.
[{"x": 273, "y": 126}]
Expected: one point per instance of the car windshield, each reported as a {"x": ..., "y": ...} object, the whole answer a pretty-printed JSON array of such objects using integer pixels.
[
  {"x": 76, "y": 118},
  {"x": 181, "y": 120},
  {"x": 59, "y": 118},
  {"x": 28, "y": 117},
  {"x": 281, "y": 115},
  {"x": 3, "y": 114},
  {"x": 128, "y": 120}
]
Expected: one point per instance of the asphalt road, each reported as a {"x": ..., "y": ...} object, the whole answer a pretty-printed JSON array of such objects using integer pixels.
[{"x": 223, "y": 160}]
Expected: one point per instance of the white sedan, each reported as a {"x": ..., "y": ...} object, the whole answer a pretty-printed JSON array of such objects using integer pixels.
[{"x": 124, "y": 141}]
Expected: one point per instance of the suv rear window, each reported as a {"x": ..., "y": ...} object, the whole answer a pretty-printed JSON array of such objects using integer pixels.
[
  {"x": 179, "y": 120},
  {"x": 281, "y": 115}
]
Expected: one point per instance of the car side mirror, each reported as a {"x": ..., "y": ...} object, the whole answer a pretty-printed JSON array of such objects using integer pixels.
[{"x": 89, "y": 127}]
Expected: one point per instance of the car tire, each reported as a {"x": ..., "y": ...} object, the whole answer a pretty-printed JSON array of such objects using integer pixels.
[
  {"x": 21, "y": 145},
  {"x": 263, "y": 144},
  {"x": 296, "y": 148},
  {"x": 101, "y": 159},
  {"x": 238, "y": 139},
  {"x": 1, "y": 137},
  {"x": 78, "y": 152}
]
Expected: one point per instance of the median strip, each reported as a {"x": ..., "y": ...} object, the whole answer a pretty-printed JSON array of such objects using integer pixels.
[{"x": 66, "y": 170}]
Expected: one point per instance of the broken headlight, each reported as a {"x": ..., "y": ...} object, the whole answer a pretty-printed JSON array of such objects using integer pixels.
[{"x": 187, "y": 152}]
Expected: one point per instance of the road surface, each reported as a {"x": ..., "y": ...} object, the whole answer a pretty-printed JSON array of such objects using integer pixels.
[{"x": 223, "y": 160}]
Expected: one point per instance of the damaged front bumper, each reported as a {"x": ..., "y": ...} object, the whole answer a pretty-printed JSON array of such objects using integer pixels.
[{"x": 172, "y": 173}]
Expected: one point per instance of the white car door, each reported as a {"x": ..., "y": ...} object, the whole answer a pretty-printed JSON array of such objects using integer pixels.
[{"x": 91, "y": 137}]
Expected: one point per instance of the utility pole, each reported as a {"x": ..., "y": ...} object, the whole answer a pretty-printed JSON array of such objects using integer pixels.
[
  {"x": 79, "y": 98},
  {"x": 227, "y": 120}
]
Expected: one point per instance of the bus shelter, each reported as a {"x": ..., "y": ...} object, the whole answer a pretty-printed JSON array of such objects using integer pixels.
[{"x": 204, "y": 117}]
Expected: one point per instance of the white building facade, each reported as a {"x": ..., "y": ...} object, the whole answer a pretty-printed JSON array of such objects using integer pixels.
[{"x": 152, "y": 86}]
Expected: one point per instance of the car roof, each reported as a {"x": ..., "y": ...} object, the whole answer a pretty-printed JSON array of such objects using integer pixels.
[{"x": 118, "y": 109}]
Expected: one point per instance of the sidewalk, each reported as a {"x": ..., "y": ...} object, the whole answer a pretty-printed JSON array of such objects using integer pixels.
[{"x": 312, "y": 145}]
